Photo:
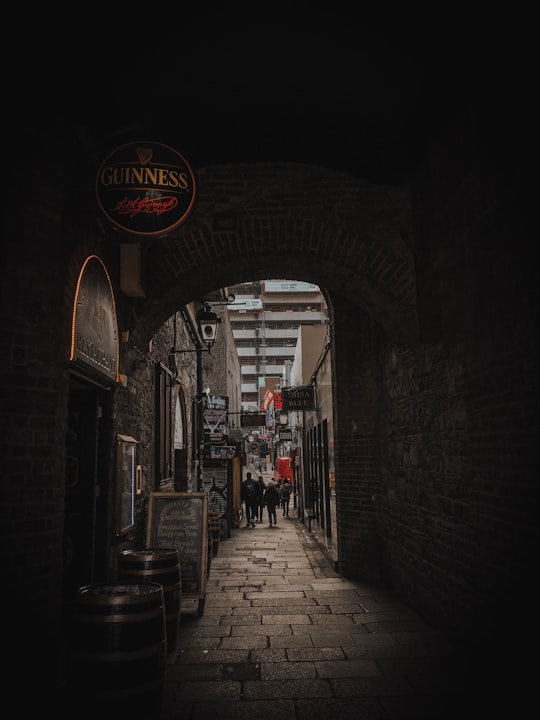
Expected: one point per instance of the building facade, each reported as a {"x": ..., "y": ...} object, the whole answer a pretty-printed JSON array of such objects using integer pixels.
[{"x": 265, "y": 319}]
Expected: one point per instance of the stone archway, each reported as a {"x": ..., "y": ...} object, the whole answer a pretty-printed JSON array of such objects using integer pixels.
[
  {"x": 352, "y": 239},
  {"x": 288, "y": 220}
]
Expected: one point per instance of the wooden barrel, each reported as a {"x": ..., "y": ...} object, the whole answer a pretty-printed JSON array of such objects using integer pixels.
[
  {"x": 118, "y": 649},
  {"x": 162, "y": 566},
  {"x": 214, "y": 523}
]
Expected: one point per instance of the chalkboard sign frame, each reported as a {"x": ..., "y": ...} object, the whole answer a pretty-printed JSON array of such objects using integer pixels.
[{"x": 185, "y": 512}]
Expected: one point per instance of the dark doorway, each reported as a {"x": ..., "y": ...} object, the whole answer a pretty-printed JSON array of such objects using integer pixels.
[{"x": 85, "y": 526}]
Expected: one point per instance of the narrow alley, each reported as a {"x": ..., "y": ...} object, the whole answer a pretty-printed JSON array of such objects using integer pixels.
[{"x": 284, "y": 636}]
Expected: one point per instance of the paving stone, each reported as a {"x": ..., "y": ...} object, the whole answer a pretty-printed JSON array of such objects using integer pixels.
[{"x": 284, "y": 636}]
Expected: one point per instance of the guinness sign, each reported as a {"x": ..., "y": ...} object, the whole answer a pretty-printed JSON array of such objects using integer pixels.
[{"x": 145, "y": 188}]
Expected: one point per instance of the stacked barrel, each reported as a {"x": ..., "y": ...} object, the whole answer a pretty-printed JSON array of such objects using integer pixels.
[
  {"x": 122, "y": 632},
  {"x": 157, "y": 565},
  {"x": 118, "y": 649}
]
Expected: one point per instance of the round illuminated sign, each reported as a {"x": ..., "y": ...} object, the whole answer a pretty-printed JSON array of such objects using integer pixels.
[{"x": 145, "y": 188}]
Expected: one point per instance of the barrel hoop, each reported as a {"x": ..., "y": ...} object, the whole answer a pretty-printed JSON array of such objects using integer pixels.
[
  {"x": 150, "y": 553},
  {"x": 153, "y": 568},
  {"x": 132, "y": 617},
  {"x": 132, "y": 556},
  {"x": 138, "y": 689},
  {"x": 137, "y": 572},
  {"x": 124, "y": 599},
  {"x": 113, "y": 657},
  {"x": 148, "y": 568}
]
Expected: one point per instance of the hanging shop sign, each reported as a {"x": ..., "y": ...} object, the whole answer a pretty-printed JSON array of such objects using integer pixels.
[
  {"x": 219, "y": 452},
  {"x": 145, "y": 188},
  {"x": 94, "y": 327},
  {"x": 298, "y": 398},
  {"x": 253, "y": 419},
  {"x": 215, "y": 418}
]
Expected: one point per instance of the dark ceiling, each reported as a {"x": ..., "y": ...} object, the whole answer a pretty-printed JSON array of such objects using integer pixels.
[{"x": 320, "y": 88}]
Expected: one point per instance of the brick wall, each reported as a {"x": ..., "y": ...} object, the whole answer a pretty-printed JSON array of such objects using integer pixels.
[
  {"x": 356, "y": 441},
  {"x": 436, "y": 416},
  {"x": 459, "y": 424}
]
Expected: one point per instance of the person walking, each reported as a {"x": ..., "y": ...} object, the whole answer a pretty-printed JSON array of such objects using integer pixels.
[
  {"x": 285, "y": 496},
  {"x": 249, "y": 494},
  {"x": 262, "y": 488},
  {"x": 271, "y": 500}
]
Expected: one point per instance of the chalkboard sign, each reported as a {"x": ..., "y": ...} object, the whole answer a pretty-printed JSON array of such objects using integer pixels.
[{"x": 180, "y": 520}]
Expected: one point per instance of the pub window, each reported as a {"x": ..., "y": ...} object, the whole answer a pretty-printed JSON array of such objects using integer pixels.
[
  {"x": 180, "y": 442},
  {"x": 163, "y": 428},
  {"x": 126, "y": 482}
]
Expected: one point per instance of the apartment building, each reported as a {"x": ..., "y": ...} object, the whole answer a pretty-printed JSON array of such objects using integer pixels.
[{"x": 265, "y": 318}]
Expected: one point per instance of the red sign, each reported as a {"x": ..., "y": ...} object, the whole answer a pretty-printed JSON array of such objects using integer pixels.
[
  {"x": 283, "y": 467},
  {"x": 145, "y": 188},
  {"x": 278, "y": 403}
]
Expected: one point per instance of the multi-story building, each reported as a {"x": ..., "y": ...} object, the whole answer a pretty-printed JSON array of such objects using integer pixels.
[{"x": 265, "y": 318}]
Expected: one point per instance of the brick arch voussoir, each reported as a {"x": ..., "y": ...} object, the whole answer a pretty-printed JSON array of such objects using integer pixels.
[
  {"x": 288, "y": 220},
  {"x": 396, "y": 318}
]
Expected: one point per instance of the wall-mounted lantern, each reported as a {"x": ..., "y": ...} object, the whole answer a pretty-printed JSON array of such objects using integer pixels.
[{"x": 207, "y": 322}]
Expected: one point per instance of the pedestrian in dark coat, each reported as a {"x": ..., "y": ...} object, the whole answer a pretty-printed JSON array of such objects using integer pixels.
[
  {"x": 249, "y": 494},
  {"x": 271, "y": 500},
  {"x": 262, "y": 488},
  {"x": 285, "y": 496}
]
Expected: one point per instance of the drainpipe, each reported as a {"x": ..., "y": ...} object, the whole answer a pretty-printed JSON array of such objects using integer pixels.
[{"x": 200, "y": 407}]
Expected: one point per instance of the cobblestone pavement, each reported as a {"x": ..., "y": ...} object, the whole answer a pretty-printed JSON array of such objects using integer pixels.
[{"x": 282, "y": 635}]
